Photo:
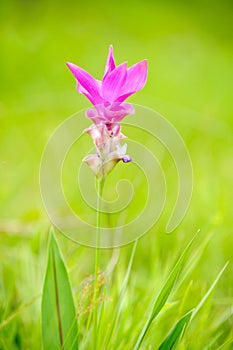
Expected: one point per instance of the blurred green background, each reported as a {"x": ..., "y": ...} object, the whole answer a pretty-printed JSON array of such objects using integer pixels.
[{"x": 190, "y": 53}]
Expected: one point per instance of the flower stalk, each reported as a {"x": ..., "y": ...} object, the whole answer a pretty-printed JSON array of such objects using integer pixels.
[{"x": 100, "y": 185}]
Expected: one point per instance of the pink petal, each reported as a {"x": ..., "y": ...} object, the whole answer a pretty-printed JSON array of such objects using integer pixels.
[
  {"x": 125, "y": 107},
  {"x": 110, "y": 64},
  {"x": 136, "y": 79},
  {"x": 98, "y": 134},
  {"x": 97, "y": 115},
  {"x": 90, "y": 87},
  {"x": 114, "y": 82},
  {"x": 83, "y": 91},
  {"x": 128, "y": 108},
  {"x": 91, "y": 113},
  {"x": 124, "y": 97},
  {"x": 117, "y": 111}
]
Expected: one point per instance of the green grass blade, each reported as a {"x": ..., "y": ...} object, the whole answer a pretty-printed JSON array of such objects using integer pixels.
[
  {"x": 227, "y": 345},
  {"x": 179, "y": 328},
  {"x": 197, "y": 308},
  {"x": 173, "y": 337},
  {"x": 164, "y": 293},
  {"x": 59, "y": 325},
  {"x": 116, "y": 317},
  {"x": 194, "y": 259},
  {"x": 207, "y": 294}
]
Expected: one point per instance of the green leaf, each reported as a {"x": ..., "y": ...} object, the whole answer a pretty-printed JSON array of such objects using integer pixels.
[
  {"x": 174, "y": 336},
  {"x": 164, "y": 293},
  {"x": 59, "y": 324}
]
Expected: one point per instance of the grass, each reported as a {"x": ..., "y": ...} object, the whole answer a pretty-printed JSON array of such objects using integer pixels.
[{"x": 189, "y": 48}]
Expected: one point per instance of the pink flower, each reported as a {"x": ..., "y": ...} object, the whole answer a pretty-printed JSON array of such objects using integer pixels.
[{"x": 108, "y": 95}]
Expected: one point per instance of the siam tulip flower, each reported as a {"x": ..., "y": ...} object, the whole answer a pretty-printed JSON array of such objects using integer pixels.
[
  {"x": 108, "y": 95},
  {"x": 108, "y": 98}
]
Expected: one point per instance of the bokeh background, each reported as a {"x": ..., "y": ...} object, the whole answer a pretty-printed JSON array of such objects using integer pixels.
[{"x": 190, "y": 53}]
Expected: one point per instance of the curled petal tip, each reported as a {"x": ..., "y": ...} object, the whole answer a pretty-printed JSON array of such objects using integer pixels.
[
  {"x": 110, "y": 50},
  {"x": 126, "y": 159}
]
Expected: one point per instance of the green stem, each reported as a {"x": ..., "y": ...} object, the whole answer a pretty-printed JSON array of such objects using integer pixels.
[{"x": 100, "y": 184}]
